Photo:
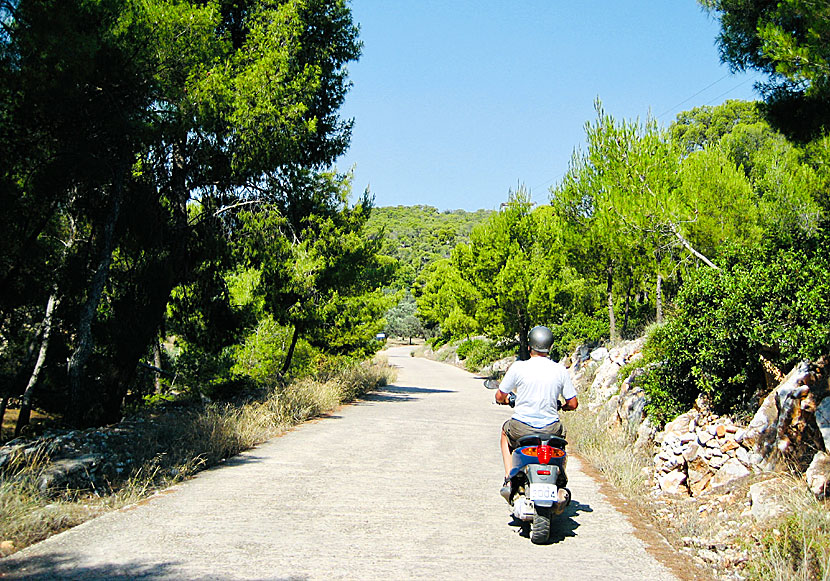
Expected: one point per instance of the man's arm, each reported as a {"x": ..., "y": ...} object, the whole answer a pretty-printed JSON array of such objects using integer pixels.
[
  {"x": 570, "y": 404},
  {"x": 501, "y": 397}
]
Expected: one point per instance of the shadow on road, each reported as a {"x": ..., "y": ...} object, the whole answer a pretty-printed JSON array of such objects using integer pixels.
[
  {"x": 562, "y": 526},
  {"x": 61, "y": 566},
  {"x": 397, "y": 393}
]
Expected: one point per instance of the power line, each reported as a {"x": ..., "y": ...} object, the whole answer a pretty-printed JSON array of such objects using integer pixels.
[
  {"x": 744, "y": 82},
  {"x": 684, "y": 101}
]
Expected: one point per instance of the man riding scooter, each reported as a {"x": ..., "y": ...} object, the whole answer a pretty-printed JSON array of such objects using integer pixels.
[{"x": 537, "y": 382}]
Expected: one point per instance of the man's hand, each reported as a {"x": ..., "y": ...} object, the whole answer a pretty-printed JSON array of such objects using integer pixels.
[
  {"x": 501, "y": 397},
  {"x": 569, "y": 405}
]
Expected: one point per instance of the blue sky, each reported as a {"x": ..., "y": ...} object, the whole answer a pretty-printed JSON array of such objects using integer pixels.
[{"x": 456, "y": 102}]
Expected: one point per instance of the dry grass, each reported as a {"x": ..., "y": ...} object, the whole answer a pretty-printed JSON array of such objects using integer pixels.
[
  {"x": 796, "y": 547},
  {"x": 609, "y": 451},
  {"x": 191, "y": 439}
]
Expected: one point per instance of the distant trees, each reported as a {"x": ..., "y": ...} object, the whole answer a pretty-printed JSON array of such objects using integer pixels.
[
  {"x": 512, "y": 275},
  {"x": 420, "y": 238},
  {"x": 402, "y": 320}
]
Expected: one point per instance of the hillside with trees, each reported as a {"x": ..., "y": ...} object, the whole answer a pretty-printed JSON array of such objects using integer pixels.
[{"x": 416, "y": 237}]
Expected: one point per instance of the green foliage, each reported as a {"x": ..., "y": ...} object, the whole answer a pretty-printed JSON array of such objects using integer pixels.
[
  {"x": 788, "y": 41},
  {"x": 577, "y": 329},
  {"x": 512, "y": 274},
  {"x": 402, "y": 320},
  {"x": 133, "y": 135},
  {"x": 417, "y": 236},
  {"x": 704, "y": 126},
  {"x": 262, "y": 354},
  {"x": 478, "y": 353},
  {"x": 766, "y": 301}
]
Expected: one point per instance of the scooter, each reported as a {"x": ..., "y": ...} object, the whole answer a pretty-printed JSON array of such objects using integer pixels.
[{"x": 537, "y": 479}]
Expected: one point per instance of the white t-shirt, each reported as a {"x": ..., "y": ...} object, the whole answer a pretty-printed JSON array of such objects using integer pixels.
[{"x": 538, "y": 383}]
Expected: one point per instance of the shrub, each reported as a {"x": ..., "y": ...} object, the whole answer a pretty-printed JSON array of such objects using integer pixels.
[
  {"x": 764, "y": 301},
  {"x": 478, "y": 352},
  {"x": 577, "y": 329}
]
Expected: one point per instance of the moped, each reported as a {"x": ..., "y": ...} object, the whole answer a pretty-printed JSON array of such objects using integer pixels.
[{"x": 537, "y": 479}]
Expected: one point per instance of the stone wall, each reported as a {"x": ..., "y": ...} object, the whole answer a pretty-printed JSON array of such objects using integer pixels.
[{"x": 702, "y": 452}]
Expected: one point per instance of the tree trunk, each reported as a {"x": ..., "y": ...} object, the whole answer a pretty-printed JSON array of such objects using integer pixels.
[
  {"x": 79, "y": 396},
  {"x": 612, "y": 322},
  {"x": 157, "y": 363},
  {"x": 26, "y": 402},
  {"x": 659, "y": 298},
  {"x": 290, "y": 354},
  {"x": 4, "y": 403},
  {"x": 524, "y": 349},
  {"x": 153, "y": 288},
  {"x": 627, "y": 305}
]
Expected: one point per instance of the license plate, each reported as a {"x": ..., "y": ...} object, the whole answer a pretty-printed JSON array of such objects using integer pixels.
[{"x": 541, "y": 491}]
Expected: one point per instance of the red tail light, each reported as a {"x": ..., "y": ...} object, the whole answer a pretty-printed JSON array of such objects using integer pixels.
[
  {"x": 544, "y": 454},
  {"x": 543, "y": 472}
]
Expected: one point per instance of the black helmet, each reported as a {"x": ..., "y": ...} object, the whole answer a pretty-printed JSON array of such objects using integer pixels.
[{"x": 540, "y": 339}]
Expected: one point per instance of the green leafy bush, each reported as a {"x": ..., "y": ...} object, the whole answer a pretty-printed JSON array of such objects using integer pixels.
[
  {"x": 469, "y": 346},
  {"x": 478, "y": 352},
  {"x": 767, "y": 301},
  {"x": 577, "y": 329}
]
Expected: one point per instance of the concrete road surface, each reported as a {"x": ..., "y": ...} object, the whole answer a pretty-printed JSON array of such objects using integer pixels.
[{"x": 402, "y": 485}]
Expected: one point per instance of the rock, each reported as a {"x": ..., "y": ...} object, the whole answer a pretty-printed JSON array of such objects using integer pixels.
[
  {"x": 703, "y": 436},
  {"x": 783, "y": 429},
  {"x": 6, "y": 548},
  {"x": 672, "y": 483},
  {"x": 730, "y": 471},
  {"x": 697, "y": 488},
  {"x": 818, "y": 475},
  {"x": 632, "y": 404},
  {"x": 645, "y": 435},
  {"x": 691, "y": 451},
  {"x": 688, "y": 437},
  {"x": 823, "y": 421},
  {"x": 604, "y": 384},
  {"x": 766, "y": 499},
  {"x": 730, "y": 445},
  {"x": 599, "y": 354},
  {"x": 709, "y": 556},
  {"x": 743, "y": 456},
  {"x": 680, "y": 425},
  {"x": 71, "y": 473},
  {"x": 720, "y": 431}
]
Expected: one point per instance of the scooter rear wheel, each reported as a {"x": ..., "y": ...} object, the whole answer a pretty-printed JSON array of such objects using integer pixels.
[{"x": 540, "y": 527}]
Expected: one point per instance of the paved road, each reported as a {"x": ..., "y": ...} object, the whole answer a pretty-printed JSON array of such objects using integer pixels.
[{"x": 403, "y": 485}]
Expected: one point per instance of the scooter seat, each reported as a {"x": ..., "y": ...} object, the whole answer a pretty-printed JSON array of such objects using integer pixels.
[{"x": 539, "y": 439}]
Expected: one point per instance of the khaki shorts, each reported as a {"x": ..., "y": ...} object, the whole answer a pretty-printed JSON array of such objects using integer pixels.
[{"x": 516, "y": 430}]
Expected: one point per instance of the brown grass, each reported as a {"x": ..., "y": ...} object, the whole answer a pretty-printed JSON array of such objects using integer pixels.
[{"x": 37, "y": 421}]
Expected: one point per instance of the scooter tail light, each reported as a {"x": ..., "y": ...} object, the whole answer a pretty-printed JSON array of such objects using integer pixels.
[
  {"x": 544, "y": 453},
  {"x": 543, "y": 472}
]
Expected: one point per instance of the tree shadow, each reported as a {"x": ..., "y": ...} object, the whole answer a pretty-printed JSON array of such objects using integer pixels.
[
  {"x": 59, "y": 567},
  {"x": 562, "y": 526},
  {"x": 398, "y": 393}
]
